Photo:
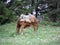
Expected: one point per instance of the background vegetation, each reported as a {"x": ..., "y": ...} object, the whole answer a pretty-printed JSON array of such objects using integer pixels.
[{"x": 9, "y": 11}]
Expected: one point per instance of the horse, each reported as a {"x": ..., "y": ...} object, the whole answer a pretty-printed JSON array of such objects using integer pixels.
[{"x": 26, "y": 21}]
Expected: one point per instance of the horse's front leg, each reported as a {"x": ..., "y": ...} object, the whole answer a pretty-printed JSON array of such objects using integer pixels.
[
  {"x": 17, "y": 28},
  {"x": 22, "y": 29}
]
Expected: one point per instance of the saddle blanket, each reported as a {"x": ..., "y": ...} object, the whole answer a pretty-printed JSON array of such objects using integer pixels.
[{"x": 25, "y": 18}]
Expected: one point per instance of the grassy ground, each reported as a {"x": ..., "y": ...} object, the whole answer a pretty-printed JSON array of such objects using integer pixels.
[{"x": 45, "y": 35}]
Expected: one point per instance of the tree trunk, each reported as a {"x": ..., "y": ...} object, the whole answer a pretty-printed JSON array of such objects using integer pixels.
[
  {"x": 32, "y": 2},
  {"x": 37, "y": 9}
]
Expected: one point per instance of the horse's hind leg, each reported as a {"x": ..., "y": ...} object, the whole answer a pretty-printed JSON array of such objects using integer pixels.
[{"x": 35, "y": 26}]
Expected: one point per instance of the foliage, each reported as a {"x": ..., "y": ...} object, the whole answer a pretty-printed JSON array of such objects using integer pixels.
[
  {"x": 54, "y": 10},
  {"x": 53, "y": 15},
  {"x": 6, "y": 15},
  {"x": 9, "y": 12},
  {"x": 50, "y": 23}
]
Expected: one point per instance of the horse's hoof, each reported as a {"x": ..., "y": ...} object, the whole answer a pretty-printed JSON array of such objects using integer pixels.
[{"x": 21, "y": 33}]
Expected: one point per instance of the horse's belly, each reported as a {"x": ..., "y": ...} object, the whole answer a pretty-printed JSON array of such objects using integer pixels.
[{"x": 27, "y": 23}]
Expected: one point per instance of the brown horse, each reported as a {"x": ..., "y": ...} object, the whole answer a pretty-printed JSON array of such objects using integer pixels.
[{"x": 32, "y": 21}]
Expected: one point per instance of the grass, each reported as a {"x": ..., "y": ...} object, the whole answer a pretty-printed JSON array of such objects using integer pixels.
[{"x": 45, "y": 35}]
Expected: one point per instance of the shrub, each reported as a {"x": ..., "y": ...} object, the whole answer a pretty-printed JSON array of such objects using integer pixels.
[{"x": 6, "y": 15}]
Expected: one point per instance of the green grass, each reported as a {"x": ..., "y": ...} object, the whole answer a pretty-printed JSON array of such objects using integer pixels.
[{"x": 45, "y": 35}]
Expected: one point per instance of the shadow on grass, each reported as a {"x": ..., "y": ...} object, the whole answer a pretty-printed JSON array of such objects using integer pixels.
[{"x": 13, "y": 34}]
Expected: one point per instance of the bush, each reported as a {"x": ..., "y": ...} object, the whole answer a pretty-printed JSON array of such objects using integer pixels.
[
  {"x": 50, "y": 23},
  {"x": 6, "y": 15}
]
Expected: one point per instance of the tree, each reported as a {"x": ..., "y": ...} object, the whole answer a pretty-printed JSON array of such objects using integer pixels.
[
  {"x": 6, "y": 15},
  {"x": 54, "y": 9}
]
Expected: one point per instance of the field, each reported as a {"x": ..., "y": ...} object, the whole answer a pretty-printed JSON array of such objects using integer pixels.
[{"x": 45, "y": 35}]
